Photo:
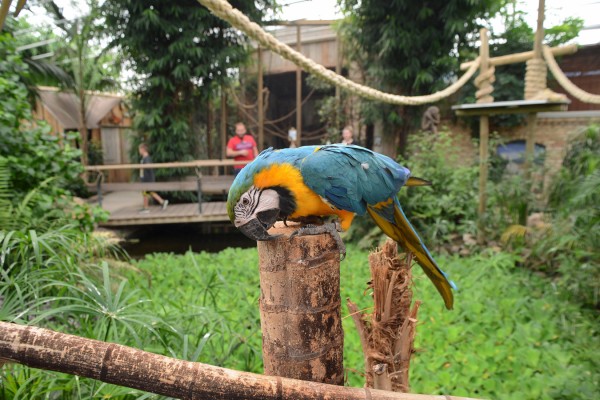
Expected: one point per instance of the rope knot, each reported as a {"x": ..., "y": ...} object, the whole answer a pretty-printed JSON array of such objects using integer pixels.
[{"x": 484, "y": 82}]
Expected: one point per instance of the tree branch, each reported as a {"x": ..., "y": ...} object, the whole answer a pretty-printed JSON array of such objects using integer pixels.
[{"x": 126, "y": 366}]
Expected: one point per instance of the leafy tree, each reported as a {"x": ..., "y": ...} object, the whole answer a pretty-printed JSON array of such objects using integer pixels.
[
  {"x": 410, "y": 49},
  {"x": 85, "y": 59},
  {"x": 179, "y": 52},
  {"x": 41, "y": 71}
]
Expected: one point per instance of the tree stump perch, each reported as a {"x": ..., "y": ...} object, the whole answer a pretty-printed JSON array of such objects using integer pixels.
[
  {"x": 387, "y": 337},
  {"x": 300, "y": 307}
]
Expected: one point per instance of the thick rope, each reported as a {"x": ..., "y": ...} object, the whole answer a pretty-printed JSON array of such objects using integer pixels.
[
  {"x": 225, "y": 11},
  {"x": 535, "y": 78},
  {"x": 484, "y": 83},
  {"x": 563, "y": 81}
]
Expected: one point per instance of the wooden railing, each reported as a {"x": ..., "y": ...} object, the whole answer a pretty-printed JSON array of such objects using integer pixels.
[{"x": 203, "y": 184}]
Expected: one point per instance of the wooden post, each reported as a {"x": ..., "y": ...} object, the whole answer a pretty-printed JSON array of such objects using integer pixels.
[
  {"x": 532, "y": 91},
  {"x": 298, "y": 92},
  {"x": 484, "y": 132},
  {"x": 223, "y": 123},
  {"x": 338, "y": 70},
  {"x": 261, "y": 111},
  {"x": 209, "y": 126},
  {"x": 300, "y": 307}
]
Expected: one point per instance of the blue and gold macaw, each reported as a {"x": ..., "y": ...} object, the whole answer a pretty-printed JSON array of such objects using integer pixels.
[{"x": 332, "y": 180}]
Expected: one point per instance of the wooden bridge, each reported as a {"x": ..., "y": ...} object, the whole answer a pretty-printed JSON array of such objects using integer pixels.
[{"x": 124, "y": 199}]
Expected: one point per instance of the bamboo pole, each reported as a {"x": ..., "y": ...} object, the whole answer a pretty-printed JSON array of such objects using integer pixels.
[
  {"x": 300, "y": 307},
  {"x": 531, "y": 91},
  {"x": 209, "y": 125},
  {"x": 484, "y": 132},
  {"x": 261, "y": 111},
  {"x": 137, "y": 369},
  {"x": 223, "y": 125},
  {"x": 298, "y": 91},
  {"x": 522, "y": 57},
  {"x": 338, "y": 70}
]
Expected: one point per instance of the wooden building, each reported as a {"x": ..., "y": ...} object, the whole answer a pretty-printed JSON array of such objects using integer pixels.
[{"x": 108, "y": 124}]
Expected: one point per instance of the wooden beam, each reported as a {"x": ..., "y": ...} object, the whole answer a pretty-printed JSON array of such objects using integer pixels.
[
  {"x": 210, "y": 186},
  {"x": 522, "y": 57},
  {"x": 298, "y": 91},
  {"x": 302, "y": 22},
  {"x": 185, "y": 164},
  {"x": 484, "y": 132},
  {"x": 261, "y": 109},
  {"x": 523, "y": 109},
  {"x": 338, "y": 70},
  {"x": 539, "y": 33},
  {"x": 223, "y": 126}
]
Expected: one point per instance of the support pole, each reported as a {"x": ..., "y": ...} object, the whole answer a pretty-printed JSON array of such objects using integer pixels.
[
  {"x": 223, "y": 123},
  {"x": 535, "y": 81},
  {"x": 209, "y": 126},
  {"x": 300, "y": 307},
  {"x": 261, "y": 107},
  {"x": 338, "y": 70},
  {"x": 298, "y": 91},
  {"x": 484, "y": 132}
]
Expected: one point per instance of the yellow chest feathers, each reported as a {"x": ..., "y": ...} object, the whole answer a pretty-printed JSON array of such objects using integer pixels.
[{"x": 308, "y": 203}]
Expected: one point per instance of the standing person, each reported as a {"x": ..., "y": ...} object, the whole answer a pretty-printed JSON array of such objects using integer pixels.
[
  {"x": 347, "y": 135},
  {"x": 147, "y": 175},
  {"x": 241, "y": 147}
]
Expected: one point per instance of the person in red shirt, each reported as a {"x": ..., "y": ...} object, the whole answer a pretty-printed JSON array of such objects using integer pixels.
[{"x": 241, "y": 147}]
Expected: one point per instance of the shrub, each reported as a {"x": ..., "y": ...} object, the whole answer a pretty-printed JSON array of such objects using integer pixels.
[
  {"x": 449, "y": 205},
  {"x": 44, "y": 169},
  {"x": 568, "y": 247}
]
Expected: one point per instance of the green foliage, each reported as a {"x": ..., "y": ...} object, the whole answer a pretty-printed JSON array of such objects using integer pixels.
[
  {"x": 181, "y": 52},
  {"x": 510, "y": 335},
  {"x": 211, "y": 303},
  {"x": 408, "y": 49},
  {"x": 569, "y": 245},
  {"x": 43, "y": 169},
  {"x": 448, "y": 206},
  {"x": 525, "y": 343}
]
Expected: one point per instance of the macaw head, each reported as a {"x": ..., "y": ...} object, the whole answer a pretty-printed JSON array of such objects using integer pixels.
[{"x": 254, "y": 210}]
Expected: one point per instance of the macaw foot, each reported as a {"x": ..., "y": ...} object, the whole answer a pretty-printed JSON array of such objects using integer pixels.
[{"x": 333, "y": 228}]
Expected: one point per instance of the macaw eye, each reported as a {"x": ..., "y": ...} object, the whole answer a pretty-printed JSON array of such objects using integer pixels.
[{"x": 245, "y": 201}]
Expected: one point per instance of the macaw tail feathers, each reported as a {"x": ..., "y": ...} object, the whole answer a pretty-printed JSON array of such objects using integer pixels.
[
  {"x": 414, "y": 181},
  {"x": 405, "y": 235}
]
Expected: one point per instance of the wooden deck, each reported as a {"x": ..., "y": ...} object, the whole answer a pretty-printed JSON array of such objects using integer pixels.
[
  {"x": 123, "y": 200},
  {"x": 124, "y": 208},
  {"x": 175, "y": 213}
]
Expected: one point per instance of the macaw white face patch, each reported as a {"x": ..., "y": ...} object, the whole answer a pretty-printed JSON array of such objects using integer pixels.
[{"x": 253, "y": 202}]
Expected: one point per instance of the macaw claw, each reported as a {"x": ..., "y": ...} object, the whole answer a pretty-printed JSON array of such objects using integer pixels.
[{"x": 333, "y": 228}]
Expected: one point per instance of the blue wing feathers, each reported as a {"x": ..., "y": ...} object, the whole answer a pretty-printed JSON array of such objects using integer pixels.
[{"x": 367, "y": 177}]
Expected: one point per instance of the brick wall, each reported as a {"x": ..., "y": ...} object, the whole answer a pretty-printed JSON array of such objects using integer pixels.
[{"x": 553, "y": 131}]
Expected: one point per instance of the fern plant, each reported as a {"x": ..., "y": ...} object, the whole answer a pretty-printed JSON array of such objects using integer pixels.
[{"x": 6, "y": 222}]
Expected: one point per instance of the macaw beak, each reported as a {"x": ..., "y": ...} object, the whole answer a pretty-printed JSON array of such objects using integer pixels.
[{"x": 257, "y": 228}]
